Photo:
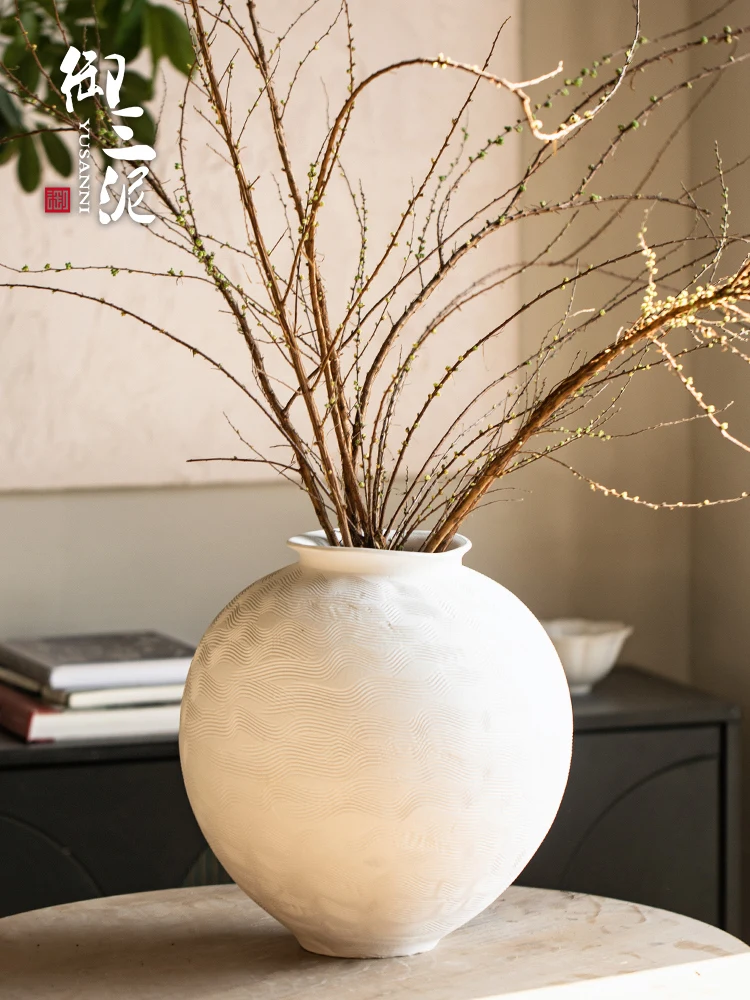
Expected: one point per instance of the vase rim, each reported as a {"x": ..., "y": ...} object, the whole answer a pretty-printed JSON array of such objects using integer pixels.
[{"x": 315, "y": 542}]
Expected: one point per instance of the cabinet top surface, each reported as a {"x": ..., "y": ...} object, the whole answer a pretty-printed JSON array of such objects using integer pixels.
[
  {"x": 629, "y": 698},
  {"x": 193, "y": 944},
  {"x": 632, "y": 698}
]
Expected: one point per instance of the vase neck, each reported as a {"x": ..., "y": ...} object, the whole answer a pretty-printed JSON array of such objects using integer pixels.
[{"x": 316, "y": 553}]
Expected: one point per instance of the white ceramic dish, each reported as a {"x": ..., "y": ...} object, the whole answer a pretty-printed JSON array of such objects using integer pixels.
[{"x": 587, "y": 649}]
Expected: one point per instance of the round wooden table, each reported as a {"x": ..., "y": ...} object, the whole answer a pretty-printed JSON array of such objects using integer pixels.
[{"x": 213, "y": 942}]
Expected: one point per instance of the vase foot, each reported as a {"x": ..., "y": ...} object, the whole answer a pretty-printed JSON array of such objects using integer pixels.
[
  {"x": 361, "y": 950},
  {"x": 577, "y": 689}
]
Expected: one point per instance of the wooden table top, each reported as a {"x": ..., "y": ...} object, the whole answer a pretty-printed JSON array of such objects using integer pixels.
[{"x": 213, "y": 942}]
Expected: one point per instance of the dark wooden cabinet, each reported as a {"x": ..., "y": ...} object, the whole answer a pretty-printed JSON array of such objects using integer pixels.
[
  {"x": 80, "y": 822},
  {"x": 650, "y": 812}
]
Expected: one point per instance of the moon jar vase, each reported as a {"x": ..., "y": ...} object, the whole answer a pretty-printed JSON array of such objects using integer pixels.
[{"x": 375, "y": 743}]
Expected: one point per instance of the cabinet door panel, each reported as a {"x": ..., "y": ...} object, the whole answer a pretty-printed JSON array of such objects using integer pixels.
[
  {"x": 94, "y": 829},
  {"x": 640, "y": 820},
  {"x": 38, "y": 870}
]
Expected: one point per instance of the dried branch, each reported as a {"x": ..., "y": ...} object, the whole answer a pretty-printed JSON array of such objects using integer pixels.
[{"x": 331, "y": 378}]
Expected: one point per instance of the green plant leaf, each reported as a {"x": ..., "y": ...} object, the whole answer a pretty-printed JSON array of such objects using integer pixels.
[
  {"x": 8, "y": 26},
  {"x": 31, "y": 24},
  {"x": 153, "y": 35},
  {"x": 15, "y": 52},
  {"x": 51, "y": 57},
  {"x": 10, "y": 124},
  {"x": 57, "y": 153},
  {"x": 128, "y": 38},
  {"x": 28, "y": 168},
  {"x": 10, "y": 119},
  {"x": 7, "y": 151},
  {"x": 77, "y": 10},
  {"x": 167, "y": 35},
  {"x": 178, "y": 43},
  {"x": 144, "y": 129},
  {"x": 28, "y": 72},
  {"x": 136, "y": 89}
]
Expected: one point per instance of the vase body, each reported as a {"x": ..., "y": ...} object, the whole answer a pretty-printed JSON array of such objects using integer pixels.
[{"x": 374, "y": 744}]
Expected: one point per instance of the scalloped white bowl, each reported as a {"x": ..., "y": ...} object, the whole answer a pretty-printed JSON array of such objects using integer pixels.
[{"x": 587, "y": 649}]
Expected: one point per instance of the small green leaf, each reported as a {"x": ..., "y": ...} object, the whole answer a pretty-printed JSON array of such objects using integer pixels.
[
  {"x": 28, "y": 167},
  {"x": 57, "y": 153}
]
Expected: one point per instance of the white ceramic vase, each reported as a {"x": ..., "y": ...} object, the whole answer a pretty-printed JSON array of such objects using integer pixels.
[{"x": 375, "y": 743}]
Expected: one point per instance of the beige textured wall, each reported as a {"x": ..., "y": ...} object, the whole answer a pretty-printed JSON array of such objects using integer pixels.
[
  {"x": 720, "y": 607},
  {"x": 611, "y": 558},
  {"x": 170, "y": 558}
]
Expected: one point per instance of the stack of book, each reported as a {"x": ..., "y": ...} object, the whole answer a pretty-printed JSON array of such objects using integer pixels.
[{"x": 92, "y": 686}]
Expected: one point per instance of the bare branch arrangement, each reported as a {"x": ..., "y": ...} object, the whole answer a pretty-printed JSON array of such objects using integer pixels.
[{"x": 330, "y": 378}]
